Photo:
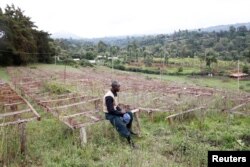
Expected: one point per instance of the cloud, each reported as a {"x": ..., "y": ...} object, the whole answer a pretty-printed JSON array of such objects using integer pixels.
[{"x": 95, "y": 18}]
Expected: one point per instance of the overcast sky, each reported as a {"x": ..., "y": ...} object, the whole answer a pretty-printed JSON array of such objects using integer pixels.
[{"x": 99, "y": 18}]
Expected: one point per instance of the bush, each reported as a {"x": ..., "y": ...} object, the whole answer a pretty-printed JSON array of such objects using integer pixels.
[
  {"x": 89, "y": 56},
  {"x": 85, "y": 63},
  {"x": 56, "y": 88},
  {"x": 70, "y": 62},
  {"x": 241, "y": 87},
  {"x": 180, "y": 69},
  {"x": 119, "y": 67}
]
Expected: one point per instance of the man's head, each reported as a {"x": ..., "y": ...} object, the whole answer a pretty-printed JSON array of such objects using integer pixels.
[{"x": 115, "y": 86}]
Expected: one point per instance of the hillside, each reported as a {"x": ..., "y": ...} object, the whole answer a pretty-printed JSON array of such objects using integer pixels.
[
  {"x": 219, "y": 28},
  {"x": 182, "y": 141}
]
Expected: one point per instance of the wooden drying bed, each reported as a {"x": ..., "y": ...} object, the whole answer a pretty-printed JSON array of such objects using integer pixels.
[
  {"x": 69, "y": 107},
  {"x": 14, "y": 109}
]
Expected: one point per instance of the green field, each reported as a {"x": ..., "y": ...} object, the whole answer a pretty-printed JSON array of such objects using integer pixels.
[{"x": 50, "y": 143}]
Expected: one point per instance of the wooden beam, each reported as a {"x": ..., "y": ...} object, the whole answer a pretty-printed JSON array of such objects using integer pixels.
[
  {"x": 18, "y": 122},
  {"x": 83, "y": 125},
  {"x": 240, "y": 113},
  {"x": 148, "y": 109},
  {"x": 56, "y": 100},
  {"x": 12, "y": 104},
  {"x": 32, "y": 109},
  {"x": 171, "y": 117},
  {"x": 14, "y": 113},
  {"x": 92, "y": 117},
  {"x": 77, "y": 114},
  {"x": 75, "y": 104},
  {"x": 239, "y": 106},
  {"x": 68, "y": 124}
]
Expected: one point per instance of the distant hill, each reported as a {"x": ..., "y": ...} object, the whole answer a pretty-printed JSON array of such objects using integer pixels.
[
  {"x": 224, "y": 27},
  {"x": 120, "y": 40},
  {"x": 65, "y": 35}
]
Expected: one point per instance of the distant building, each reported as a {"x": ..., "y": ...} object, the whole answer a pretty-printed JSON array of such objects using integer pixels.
[
  {"x": 100, "y": 57},
  {"x": 76, "y": 59},
  {"x": 114, "y": 58},
  {"x": 92, "y": 61}
]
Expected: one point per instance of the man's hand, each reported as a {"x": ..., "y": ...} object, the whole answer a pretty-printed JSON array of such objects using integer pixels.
[{"x": 123, "y": 111}]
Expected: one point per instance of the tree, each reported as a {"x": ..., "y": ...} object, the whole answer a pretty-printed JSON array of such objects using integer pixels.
[
  {"x": 210, "y": 57},
  {"x": 23, "y": 43},
  {"x": 242, "y": 30},
  {"x": 114, "y": 50},
  {"x": 101, "y": 47},
  {"x": 89, "y": 55}
]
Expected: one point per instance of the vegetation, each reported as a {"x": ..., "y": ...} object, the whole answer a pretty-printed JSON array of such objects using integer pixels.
[
  {"x": 184, "y": 56},
  {"x": 50, "y": 143},
  {"x": 3, "y": 74},
  {"x": 181, "y": 53},
  {"x": 21, "y": 42},
  {"x": 207, "y": 46},
  {"x": 56, "y": 88}
]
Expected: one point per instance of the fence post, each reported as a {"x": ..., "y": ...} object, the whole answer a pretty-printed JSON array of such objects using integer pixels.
[
  {"x": 22, "y": 133},
  {"x": 83, "y": 136}
]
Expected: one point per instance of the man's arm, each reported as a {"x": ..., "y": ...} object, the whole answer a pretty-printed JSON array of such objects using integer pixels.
[{"x": 110, "y": 107}]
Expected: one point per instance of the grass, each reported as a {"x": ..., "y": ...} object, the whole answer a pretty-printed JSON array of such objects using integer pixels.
[
  {"x": 50, "y": 143},
  {"x": 3, "y": 74},
  {"x": 186, "y": 143},
  {"x": 212, "y": 82}
]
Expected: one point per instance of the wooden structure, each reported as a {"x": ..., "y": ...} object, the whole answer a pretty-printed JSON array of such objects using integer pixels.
[
  {"x": 79, "y": 109},
  {"x": 181, "y": 114},
  {"x": 15, "y": 110}
]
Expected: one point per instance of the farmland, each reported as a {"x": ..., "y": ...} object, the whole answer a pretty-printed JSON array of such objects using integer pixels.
[{"x": 68, "y": 99}]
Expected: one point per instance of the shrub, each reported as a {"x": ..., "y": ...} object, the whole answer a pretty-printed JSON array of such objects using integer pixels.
[
  {"x": 180, "y": 69},
  {"x": 56, "y": 88},
  {"x": 85, "y": 63},
  {"x": 70, "y": 62},
  {"x": 119, "y": 67}
]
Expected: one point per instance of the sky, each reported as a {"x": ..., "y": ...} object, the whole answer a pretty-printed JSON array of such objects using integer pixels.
[{"x": 103, "y": 18}]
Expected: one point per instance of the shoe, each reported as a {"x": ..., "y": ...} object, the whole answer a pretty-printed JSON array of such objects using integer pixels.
[
  {"x": 133, "y": 133},
  {"x": 131, "y": 143},
  {"x": 134, "y": 146}
]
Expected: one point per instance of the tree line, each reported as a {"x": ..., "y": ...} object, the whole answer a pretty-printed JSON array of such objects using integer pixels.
[
  {"x": 230, "y": 45},
  {"x": 22, "y": 43},
  {"x": 20, "y": 40}
]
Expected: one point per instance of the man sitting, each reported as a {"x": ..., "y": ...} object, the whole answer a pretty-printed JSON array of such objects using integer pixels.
[{"x": 118, "y": 117}]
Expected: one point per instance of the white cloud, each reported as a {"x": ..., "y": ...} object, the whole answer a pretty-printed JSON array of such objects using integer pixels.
[{"x": 95, "y": 18}]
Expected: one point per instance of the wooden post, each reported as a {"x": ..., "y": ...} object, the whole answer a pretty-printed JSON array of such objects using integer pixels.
[
  {"x": 22, "y": 133},
  {"x": 179, "y": 95},
  {"x": 151, "y": 114},
  {"x": 170, "y": 121},
  {"x": 138, "y": 122},
  {"x": 83, "y": 136}
]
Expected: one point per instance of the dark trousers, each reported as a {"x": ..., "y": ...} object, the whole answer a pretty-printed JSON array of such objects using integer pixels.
[{"x": 121, "y": 127}]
